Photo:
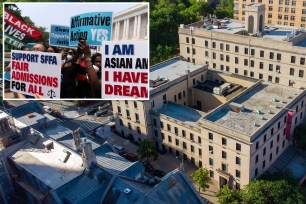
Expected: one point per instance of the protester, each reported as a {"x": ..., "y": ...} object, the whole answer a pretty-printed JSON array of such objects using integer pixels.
[{"x": 52, "y": 49}]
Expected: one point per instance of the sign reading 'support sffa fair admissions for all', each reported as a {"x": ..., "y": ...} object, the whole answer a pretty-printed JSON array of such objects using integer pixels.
[
  {"x": 93, "y": 27},
  {"x": 36, "y": 73},
  {"x": 125, "y": 70}
]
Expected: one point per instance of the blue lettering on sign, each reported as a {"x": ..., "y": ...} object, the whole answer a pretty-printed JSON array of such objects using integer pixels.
[
  {"x": 94, "y": 27},
  {"x": 126, "y": 50}
]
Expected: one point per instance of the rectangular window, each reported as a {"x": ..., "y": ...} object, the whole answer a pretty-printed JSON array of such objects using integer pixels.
[
  {"x": 236, "y": 70},
  {"x": 256, "y": 159},
  {"x": 271, "y": 144},
  {"x": 270, "y": 67},
  {"x": 262, "y": 53},
  {"x": 224, "y": 141},
  {"x": 177, "y": 142},
  {"x": 199, "y": 140},
  {"x": 211, "y": 149},
  {"x": 246, "y": 62},
  {"x": 227, "y": 47},
  {"x": 214, "y": 44},
  {"x": 193, "y": 51},
  {"x": 210, "y": 136},
  {"x": 237, "y": 173},
  {"x": 253, "y": 52},
  {"x": 224, "y": 167},
  {"x": 279, "y": 57},
  {"x": 187, "y": 39},
  {"x": 291, "y": 71},
  {"x": 206, "y": 43},
  {"x": 223, "y": 154},
  {"x": 260, "y": 76},
  {"x": 245, "y": 73},
  {"x": 184, "y": 145},
  {"x": 188, "y": 50},
  {"x": 302, "y": 61},
  {"x": 183, "y": 133},
  {"x": 236, "y": 48},
  {"x": 252, "y": 63},
  {"x": 301, "y": 73},
  {"x": 264, "y": 152},
  {"x": 221, "y": 46},
  {"x": 211, "y": 162},
  {"x": 261, "y": 65},
  {"x": 271, "y": 55},
  {"x": 270, "y": 78},
  {"x": 191, "y": 148},
  {"x": 176, "y": 130},
  {"x": 200, "y": 152},
  {"x": 128, "y": 114},
  {"x": 257, "y": 145},
  {"x": 161, "y": 125},
  {"x": 137, "y": 117},
  {"x": 169, "y": 139},
  {"x": 193, "y": 41},
  {"x": 246, "y": 50},
  {"x": 236, "y": 60},
  {"x": 238, "y": 147},
  {"x": 165, "y": 98},
  {"x": 168, "y": 127},
  {"x": 292, "y": 59},
  {"x": 191, "y": 137},
  {"x": 238, "y": 160}
]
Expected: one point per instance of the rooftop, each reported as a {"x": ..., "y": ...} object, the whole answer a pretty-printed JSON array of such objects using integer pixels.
[
  {"x": 170, "y": 70},
  {"x": 182, "y": 113},
  {"x": 230, "y": 26},
  {"x": 260, "y": 103},
  {"x": 53, "y": 167}
]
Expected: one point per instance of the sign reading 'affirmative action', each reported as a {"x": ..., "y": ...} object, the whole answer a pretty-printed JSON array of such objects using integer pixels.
[
  {"x": 93, "y": 27},
  {"x": 36, "y": 73},
  {"x": 125, "y": 70}
]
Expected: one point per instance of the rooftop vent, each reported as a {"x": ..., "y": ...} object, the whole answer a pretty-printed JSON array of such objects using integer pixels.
[
  {"x": 270, "y": 112},
  {"x": 48, "y": 144},
  {"x": 276, "y": 106},
  {"x": 259, "y": 111},
  {"x": 275, "y": 100},
  {"x": 255, "y": 125},
  {"x": 236, "y": 107},
  {"x": 127, "y": 191},
  {"x": 157, "y": 82}
]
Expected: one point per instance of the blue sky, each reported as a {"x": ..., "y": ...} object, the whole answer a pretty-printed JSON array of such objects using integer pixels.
[{"x": 44, "y": 14}]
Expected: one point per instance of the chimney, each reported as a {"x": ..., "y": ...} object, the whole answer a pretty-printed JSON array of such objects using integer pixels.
[
  {"x": 77, "y": 140},
  {"x": 88, "y": 156}
]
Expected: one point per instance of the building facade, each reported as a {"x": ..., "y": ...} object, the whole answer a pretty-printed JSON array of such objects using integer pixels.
[
  {"x": 279, "y": 12},
  {"x": 184, "y": 117},
  {"x": 272, "y": 54}
]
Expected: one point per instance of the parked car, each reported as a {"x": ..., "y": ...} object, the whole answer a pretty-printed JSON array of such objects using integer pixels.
[
  {"x": 148, "y": 167},
  {"x": 113, "y": 128},
  {"x": 47, "y": 109},
  {"x": 119, "y": 149},
  {"x": 91, "y": 111},
  {"x": 130, "y": 156},
  {"x": 159, "y": 173}
]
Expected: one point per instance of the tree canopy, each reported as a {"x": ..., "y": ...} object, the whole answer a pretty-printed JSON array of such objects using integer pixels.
[
  {"x": 146, "y": 149},
  {"x": 228, "y": 196},
  {"x": 201, "y": 177}
]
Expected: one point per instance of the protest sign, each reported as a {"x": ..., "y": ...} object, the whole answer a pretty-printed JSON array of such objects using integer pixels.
[
  {"x": 16, "y": 43},
  {"x": 93, "y": 27},
  {"x": 125, "y": 70},
  {"x": 36, "y": 73},
  {"x": 16, "y": 34},
  {"x": 21, "y": 26},
  {"x": 59, "y": 36}
]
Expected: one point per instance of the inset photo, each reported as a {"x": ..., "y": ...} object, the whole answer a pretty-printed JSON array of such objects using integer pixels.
[{"x": 76, "y": 51}]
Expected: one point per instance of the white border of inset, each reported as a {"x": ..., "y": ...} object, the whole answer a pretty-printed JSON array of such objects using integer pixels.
[{"x": 63, "y": 3}]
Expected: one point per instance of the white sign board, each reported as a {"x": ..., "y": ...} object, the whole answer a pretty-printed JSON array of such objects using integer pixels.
[
  {"x": 36, "y": 73},
  {"x": 125, "y": 70}
]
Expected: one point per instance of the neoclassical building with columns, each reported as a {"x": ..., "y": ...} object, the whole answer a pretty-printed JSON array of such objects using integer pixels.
[{"x": 131, "y": 24}]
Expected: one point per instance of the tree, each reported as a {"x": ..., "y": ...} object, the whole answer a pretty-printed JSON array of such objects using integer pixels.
[
  {"x": 225, "y": 9},
  {"x": 266, "y": 192},
  {"x": 300, "y": 136},
  {"x": 201, "y": 177},
  {"x": 228, "y": 196},
  {"x": 146, "y": 149}
]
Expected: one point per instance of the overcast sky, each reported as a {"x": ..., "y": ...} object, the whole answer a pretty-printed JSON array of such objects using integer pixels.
[{"x": 44, "y": 14}]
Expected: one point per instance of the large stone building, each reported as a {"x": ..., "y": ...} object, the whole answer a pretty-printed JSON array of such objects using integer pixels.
[
  {"x": 233, "y": 125},
  {"x": 279, "y": 12},
  {"x": 247, "y": 48}
]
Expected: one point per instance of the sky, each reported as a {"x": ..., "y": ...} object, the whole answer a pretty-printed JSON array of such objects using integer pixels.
[{"x": 44, "y": 14}]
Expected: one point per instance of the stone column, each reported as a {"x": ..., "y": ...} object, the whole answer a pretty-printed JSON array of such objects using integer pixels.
[
  {"x": 135, "y": 27},
  {"x": 127, "y": 29},
  {"x": 138, "y": 27}
]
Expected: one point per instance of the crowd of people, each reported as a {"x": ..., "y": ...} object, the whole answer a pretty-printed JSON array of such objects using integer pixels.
[{"x": 80, "y": 72}]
